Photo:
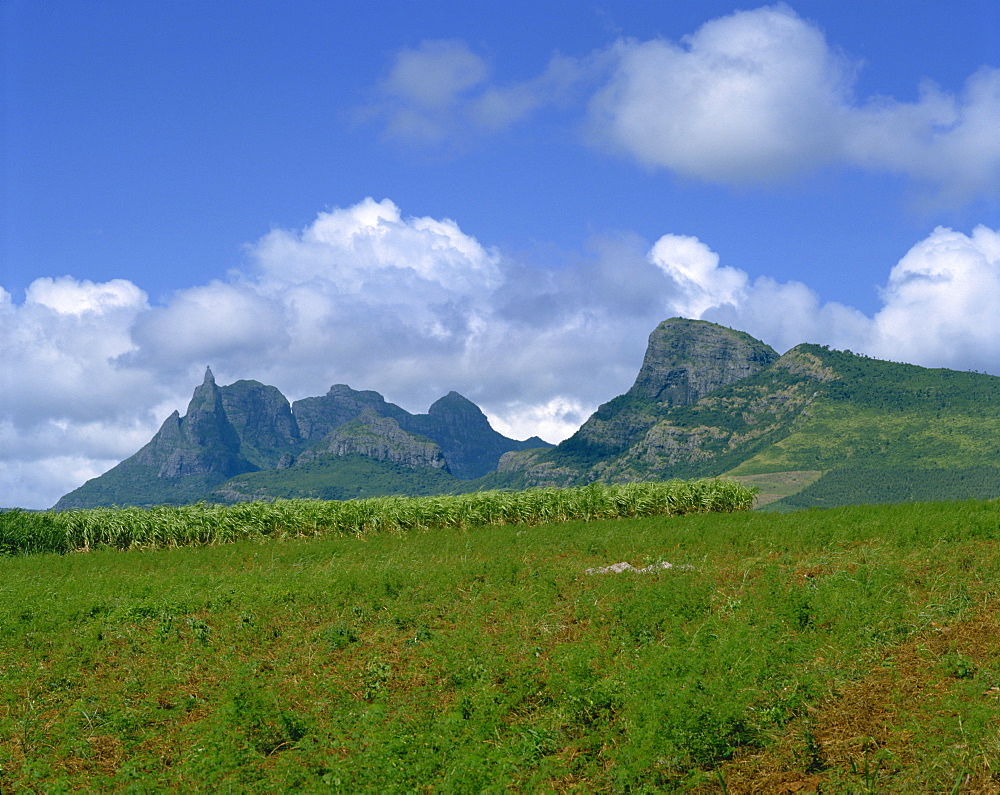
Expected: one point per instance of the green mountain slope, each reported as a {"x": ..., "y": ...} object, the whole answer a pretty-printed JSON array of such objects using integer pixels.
[
  {"x": 829, "y": 427},
  {"x": 186, "y": 458},
  {"x": 248, "y": 428},
  {"x": 812, "y": 409},
  {"x": 884, "y": 415},
  {"x": 336, "y": 477},
  {"x": 864, "y": 485}
]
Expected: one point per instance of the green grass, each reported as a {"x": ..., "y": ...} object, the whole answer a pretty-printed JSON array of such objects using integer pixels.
[
  {"x": 860, "y": 485},
  {"x": 129, "y": 527},
  {"x": 775, "y": 486},
  {"x": 332, "y": 477},
  {"x": 842, "y": 434},
  {"x": 486, "y": 659}
]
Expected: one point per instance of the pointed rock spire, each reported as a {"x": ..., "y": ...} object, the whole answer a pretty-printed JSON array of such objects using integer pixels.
[{"x": 209, "y": 378}]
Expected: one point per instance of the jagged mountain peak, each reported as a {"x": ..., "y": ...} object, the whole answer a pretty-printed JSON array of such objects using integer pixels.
[
  {"x": 248, "y": 427},
  {"x": 708, "y": 400},
  {"x": 455, "y": 403}
]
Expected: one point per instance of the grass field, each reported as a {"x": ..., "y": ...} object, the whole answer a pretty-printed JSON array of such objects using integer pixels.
[
  {"x": 853, "y": 649},
  {"x": 774, "y": 486}
]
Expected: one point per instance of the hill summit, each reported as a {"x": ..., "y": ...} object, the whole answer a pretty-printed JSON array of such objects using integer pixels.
[
  {"x": 812, "y": 426},
  {"x": 815, "y": 426}
]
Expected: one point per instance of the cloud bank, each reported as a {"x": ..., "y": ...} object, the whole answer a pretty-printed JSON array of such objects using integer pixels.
[
  {"x": 414, "y": 307},
  {"x": 751, "y": 98}
]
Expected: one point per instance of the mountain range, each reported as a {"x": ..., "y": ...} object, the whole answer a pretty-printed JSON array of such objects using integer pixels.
[
  {"x": 346, "y": 443},
  {"x": 811, "y": 427}
]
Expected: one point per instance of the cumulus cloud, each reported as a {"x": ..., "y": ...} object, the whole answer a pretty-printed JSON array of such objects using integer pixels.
[
  {"x": 210, "y": 323},
  {"x": 938, "y": 305},
  {"x": 760, "y": 95},
  {"x": 69, "y": 408},
  {"x": 414, "y": 307},
  {"x": 950, "y": 143},
  {"x": 701, "y": 282},
  {"x": 750, "y": 98},
  {"x": 367, "y": 286},
  {"x": 371, "y": 241},
  {"x": 63, "y": 341}
]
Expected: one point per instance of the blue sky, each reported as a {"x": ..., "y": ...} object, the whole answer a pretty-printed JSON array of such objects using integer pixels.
[{"x": 187, "y": 183}]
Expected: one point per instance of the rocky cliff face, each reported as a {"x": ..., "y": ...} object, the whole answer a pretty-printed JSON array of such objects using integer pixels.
[
  {"x": 380, "y": 438},
  {"x": 263, "y": 421},
  {"x": 318, "y": 416},
  {"x": 687, "y": 359},
  {"x": 202, "y": 442},
  {"x": 247, "y": 427}
]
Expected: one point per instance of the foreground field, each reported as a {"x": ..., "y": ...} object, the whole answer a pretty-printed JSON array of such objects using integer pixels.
[{"x": 855, "y": 649}]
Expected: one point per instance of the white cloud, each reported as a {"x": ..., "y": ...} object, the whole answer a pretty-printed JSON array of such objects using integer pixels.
[
  {"x": 557, "y": 418},
  {"x": 760, "y": 95},
  {"x": 701, "y": 282},
  {"x": 420, "y": 94},
  {"x": 211, "y": 323},
  {"x": 367, "y": 287},
  {"x": 60, "y": 347},
  {"x": 941, "y": 302},
  {"x": 786, "y": 314},
  {"x": 749, "y": 97},
  {"x": 498, "y": 107},
  {"x": 371, "y": 241},
  {"x": 950, "y": 143},
  {"x": 939, "y": 307},
  {"x": 414, "y": 307},
  {"x": 70, "y": 408},
  {"x": 754, "y": 97},
  {"x": 67, "y": 296},
  {"x": 435, "y": 74}
]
